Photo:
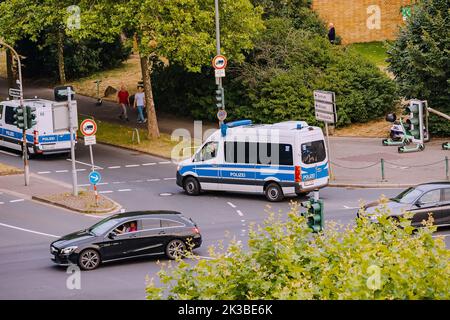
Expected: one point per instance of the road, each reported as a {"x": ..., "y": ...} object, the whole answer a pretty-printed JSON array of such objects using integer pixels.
[{"x": 138, "y": 182}]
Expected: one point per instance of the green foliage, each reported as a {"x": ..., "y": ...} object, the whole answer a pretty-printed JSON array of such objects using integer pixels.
[
  {"x": 420, "y": 58},
  {"x": 383, "y": 260}
]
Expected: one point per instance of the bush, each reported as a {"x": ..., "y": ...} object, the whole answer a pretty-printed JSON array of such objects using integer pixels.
[{"x": 384, "y": 260}]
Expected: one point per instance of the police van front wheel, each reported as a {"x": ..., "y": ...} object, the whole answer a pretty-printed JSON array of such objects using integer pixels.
[
  {"x": 274, "y": 193},
  {"x": 191, "y": 186}
]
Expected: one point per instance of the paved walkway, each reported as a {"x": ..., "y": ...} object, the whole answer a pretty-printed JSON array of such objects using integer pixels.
[{"x": 355, "y": 161}]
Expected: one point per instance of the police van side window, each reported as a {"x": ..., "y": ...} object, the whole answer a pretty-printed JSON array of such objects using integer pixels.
[
  {"x": 9, "y": 115},
  {"x": 209, "y": 151},
  {"x": 1, "y": 112},
  {"x": 313, "y": 152},
  {"x": 258, "y": 153}
]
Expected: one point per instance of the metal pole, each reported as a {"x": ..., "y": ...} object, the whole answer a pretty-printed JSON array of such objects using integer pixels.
[
  {"x": 446, "y": 167},
  {"x": 219, "y": 80},
  {"x": 382, "y": 170},
  {"x": 72, "y": 144},
  {"x": 24, "y": 131},
  {"x": 329, "y": 152}
]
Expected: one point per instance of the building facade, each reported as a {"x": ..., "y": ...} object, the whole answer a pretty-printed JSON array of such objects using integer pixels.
[{"x": 364, "y": 20}]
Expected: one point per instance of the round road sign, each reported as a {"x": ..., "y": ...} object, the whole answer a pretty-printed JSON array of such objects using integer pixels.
[
  {"x": 221, "y": 115},
  {"x": 94, "y": 177},
  {"x": 219, "y": 62},
  {"x": 88, "y": 127}
]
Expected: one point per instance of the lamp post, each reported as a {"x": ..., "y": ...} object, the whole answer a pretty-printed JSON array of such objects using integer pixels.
[{"x": 24, "y": 131}]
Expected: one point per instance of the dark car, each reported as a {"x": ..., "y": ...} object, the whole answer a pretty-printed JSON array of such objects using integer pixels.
[
  {"x": 420, "y": 200},
  {"x": 128, "y": 235}
]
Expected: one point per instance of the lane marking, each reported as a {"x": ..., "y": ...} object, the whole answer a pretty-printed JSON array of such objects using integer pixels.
[
  {"x": 61, "y": 171},
  {"x": 169, "y": 179},
  {"x": 117, "y": 182},
  {"x": 137, "y": 181},
  {"x": 43, "y": 172},
  {"x": 441, "y": 235},
  {"x": 207, "y": 258},
  {"x": 231, "y": 205},
  {"x": 17, "y": 200},
  {"x": 152, "y": 180},
  {"x": 165, "y": 162},
  {"x": 107, "y": 191},
  {"x": 2, "y": 203},
  {"x": 131, "y": 165},
  {"x": 9, "y": 153},
  {"x": 239, "y": 212},
  {"x": 149, "y": 164},
  {"x": 79, "y": 170},
  {"x": 30, "y": 231},
  {"x": 86, "y": 164},
  {"x": 124, "y": 190},
  {"x": 102, "y": 183},
  {"x": 347, "y": 207},
  {"x": 114, "y": 167},
  {"x": 84, "y": 185}
]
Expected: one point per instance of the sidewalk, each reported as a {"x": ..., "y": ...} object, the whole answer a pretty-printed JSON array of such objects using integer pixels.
[{"x": 356, "y": 162}]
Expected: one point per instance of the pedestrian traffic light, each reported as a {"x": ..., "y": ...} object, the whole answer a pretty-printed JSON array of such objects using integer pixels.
[
  {"x": 19, "y": 118},
  {"x": 314, "y": 214},
  {"x": 31, "y": 117},
  {"x": 219, "y": 98},
  {"x": 415, "y": 121}
]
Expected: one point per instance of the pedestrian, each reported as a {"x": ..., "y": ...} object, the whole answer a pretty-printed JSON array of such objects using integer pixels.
[
  {"x": 139, "y": 102},
  {"x": 123, "y": 99},
  {"x": 331, "y": 33}
]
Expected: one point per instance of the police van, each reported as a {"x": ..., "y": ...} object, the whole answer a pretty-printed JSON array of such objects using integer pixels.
[
  {"x": 48, "y": 136},
  {"x": 280, "y": 159}
]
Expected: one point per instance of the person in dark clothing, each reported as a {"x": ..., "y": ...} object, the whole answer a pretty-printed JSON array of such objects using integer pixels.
[{"x": 331, "y": 33}]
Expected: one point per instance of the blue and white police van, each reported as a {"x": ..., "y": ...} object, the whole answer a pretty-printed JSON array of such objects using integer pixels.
[
  {"x": 46, "y": 137},
  {"x": 280, "y": 159}
]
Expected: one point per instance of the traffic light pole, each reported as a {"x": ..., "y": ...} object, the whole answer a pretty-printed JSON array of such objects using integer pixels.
[
  {"x": 72, "y": 144},
  {"x": 219, "y": 79},
  {"x": 24, "y": 131}
]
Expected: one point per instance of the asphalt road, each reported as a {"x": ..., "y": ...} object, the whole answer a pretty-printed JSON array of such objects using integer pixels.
[{"x": 138, "y": 182}]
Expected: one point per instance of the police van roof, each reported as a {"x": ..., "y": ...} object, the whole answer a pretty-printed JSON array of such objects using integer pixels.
[{"x": 16, "y": 102}]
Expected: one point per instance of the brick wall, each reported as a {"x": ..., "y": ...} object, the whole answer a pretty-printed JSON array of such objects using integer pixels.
[{"x": 362, "y": 20}]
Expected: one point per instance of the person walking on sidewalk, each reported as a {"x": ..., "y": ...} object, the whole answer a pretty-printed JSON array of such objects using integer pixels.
[
  {"x": 123, "y": 98},
  {"x": 139, "y": 102}
]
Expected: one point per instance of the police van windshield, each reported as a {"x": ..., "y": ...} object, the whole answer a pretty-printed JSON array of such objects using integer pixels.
[{"x": 313, "y": 152}]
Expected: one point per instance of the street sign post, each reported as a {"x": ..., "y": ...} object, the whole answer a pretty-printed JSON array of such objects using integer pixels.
[
  {"x": 325, "y": 110},
  {"x": 94, "y": 177},
  {"x": 221, "y": 115},
  {"x": 89, "y": 140},
  {"x": 89, "y": 128},
  {"x": 15, "y": 93},
  {"x": 219, "y": 73},
  {"x": 219, "y": 62}
]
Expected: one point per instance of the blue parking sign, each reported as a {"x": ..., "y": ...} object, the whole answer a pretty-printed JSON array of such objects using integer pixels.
[{"x": 94, "y": 177}]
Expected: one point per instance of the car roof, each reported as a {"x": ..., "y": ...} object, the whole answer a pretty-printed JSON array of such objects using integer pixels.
[
  {"x": 144, "y": 214},
  {"x": 433, "y": 185}
]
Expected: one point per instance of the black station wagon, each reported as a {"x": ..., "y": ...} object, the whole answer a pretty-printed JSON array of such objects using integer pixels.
[{"x": 128, "y": 235}]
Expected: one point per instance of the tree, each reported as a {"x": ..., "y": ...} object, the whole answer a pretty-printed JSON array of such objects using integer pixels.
[
  {"x": 183, "y": 32},
  {"x": 420, "y": 58},
  {"x": 284, "y": 260}
]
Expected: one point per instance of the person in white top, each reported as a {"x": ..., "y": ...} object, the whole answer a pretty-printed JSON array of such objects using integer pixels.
[{"x": 139, "y": 102}]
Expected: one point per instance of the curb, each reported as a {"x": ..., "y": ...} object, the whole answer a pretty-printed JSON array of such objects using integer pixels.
[
  {"x": 114, "y": 209},
  {"x": 373, "y": 185}
]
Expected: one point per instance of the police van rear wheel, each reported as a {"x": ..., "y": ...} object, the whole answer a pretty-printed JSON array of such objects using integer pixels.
[
  {"x": 274, "y": 193},
  {"x": 191, "y": 186}
]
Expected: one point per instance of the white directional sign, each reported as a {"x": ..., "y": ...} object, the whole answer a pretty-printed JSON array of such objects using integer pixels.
[
  {"x": 324, "y": 96},
  {"x": 14, "y": 93},
  {"x": 89, "y": 140},
  {"x": 325, "y": 117},
  {"x": 325, "y": 107}
]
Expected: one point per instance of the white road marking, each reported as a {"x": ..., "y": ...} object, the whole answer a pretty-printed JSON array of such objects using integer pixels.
[
  {"x": 84, "y": 185},
  {"x": 149, "y": 164},
  {"x": 114, "y": 167},
  {"x": 137, "y": 181},
  {"x": 124, "y": 190},
  {"x": 117, "y": 182},
  {"x": 102, "y": 183},
  {"x": 30, "y": 231},
  {"x": 347, "y": 207},
  {"x": 207, "y": 258},
  {"x": 79, "y": 170},
  {"x": 61, "y": 171},
  {"x": 441, "y": 235},
  {"x": 106, "y": 191},
  {"x": 9, "y": 153},
  {"x": 239, "y": 212},
  {"x": 131, "y": 165},
  {"x": 169, "y": 178},
  {"x": 152, "y": 180},
  {"x": 86, "y": 164},
  {"x": 242, "y": 220},
  {"x": 43, "y": 172},
  {"x": 231, "y": 205},
  {"x": 17, "y": 200},
  {"x": 165, "y": 162},
  {"x": 2, "y": 203}
]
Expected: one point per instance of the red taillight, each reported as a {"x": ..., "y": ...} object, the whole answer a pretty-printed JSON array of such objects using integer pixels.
[
  {"x": 35, "y": 137},
  {"x": 298, "y": 174},
  {"x": 196, "y": 230}
]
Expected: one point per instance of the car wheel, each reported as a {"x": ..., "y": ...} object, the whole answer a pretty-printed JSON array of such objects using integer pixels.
[
  {"x": 191, "y": 186},
  {"x": 175, "y": 248},
  {"x": 89, "y": 259},
  {"x": 274, "y": 193}
]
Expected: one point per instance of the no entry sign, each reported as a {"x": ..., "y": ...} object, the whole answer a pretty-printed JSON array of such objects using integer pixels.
[{"x": 88, "y": 127}]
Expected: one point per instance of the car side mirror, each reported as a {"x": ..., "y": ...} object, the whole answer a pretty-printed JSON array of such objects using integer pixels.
[
  {"x": 112, "y": 235},
  {"x": 419, "y": 203}
]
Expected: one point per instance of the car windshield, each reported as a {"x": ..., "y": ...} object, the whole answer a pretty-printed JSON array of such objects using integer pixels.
[
  {"x": 103, "y": 226},
  {"x": 408, "y": 196}
]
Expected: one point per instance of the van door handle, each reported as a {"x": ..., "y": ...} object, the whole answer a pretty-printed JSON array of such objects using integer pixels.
[{"x": 162, "y": 232}]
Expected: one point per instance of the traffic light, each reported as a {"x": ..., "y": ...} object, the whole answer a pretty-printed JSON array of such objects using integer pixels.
[
  {"x": 314, "y": 214},
  {"x": 31, "y": 117},
  {"x": 219, "y": 98},
  {"x": 19, "y": 118},
  {"x": 415, "y": 122}
]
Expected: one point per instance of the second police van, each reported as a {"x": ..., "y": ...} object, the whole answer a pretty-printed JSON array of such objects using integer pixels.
[
  {"x": 46, "y": 137},
  {"x": 285, "y": 158}
]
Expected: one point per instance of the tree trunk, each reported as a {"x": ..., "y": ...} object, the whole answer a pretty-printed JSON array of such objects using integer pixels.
[
  {"x": 61, "y": 67},
  {"x": 10, "y": 69},
  {"x": 152, "y": 124}
]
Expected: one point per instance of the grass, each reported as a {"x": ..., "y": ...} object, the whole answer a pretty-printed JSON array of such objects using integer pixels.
[
  {"x": 378, "y": 128},
  {"x": 6, "y": 170},
  {"x": 119, "y": 135},
  {"x": 128, "y": 73},
  {"x": 373, "y": 51}
]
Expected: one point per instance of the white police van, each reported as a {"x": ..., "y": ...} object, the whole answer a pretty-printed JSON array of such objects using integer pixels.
[
  {"x": 280, "y": 159},
  {"x": 42, "y": 138}
]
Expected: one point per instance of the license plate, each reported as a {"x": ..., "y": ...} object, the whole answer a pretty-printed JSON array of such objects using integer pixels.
[
  {"x": 48, "y": 146},
  {"x": 309, "y": 183}
]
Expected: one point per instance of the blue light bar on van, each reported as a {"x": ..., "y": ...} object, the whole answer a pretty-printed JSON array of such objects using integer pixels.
[
  {"x": 299, "y": 126},
  {"x": 234, "y": 124}
]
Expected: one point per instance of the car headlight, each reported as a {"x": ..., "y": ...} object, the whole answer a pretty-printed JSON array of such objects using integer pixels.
[
  {"x": 69, "y": 250},
  {"x": 178, "y": 167}
]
